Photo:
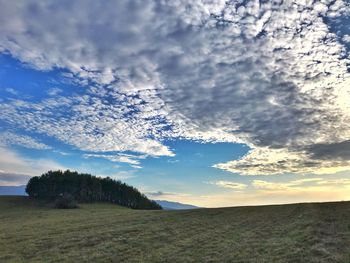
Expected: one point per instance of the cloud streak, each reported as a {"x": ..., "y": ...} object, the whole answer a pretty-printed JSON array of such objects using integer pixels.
[
  {"x": 133, "y": 160},
  {"x": 230, "y": 185}
]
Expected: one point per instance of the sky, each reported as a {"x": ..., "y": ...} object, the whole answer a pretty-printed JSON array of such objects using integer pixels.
[{"x": 208, "y": 102}]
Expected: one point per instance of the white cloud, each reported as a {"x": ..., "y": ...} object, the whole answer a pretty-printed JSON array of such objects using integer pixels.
[
  {"x": 346, "y": 38},
  {"x": 271, "y": 75},
  {"x": 16, "y": 170},
  {"x": 121, "y": 175},
  {"x": 134, "y": 160},
  {"x": 54, "y": 91},
  {"x": 341, "y": 182},
  {"x": 11, "y": 91},
  {"x": 89, "y": 123},
  {"x": 229, "y": 184},
  {"x": 9, "y": 138},
  {"x": 307, "y": 184}
]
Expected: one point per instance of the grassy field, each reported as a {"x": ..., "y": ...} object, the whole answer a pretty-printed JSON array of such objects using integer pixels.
[{"x": 107, "y": 233}]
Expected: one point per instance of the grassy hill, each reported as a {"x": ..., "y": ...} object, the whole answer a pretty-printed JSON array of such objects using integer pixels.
[{"x": 108, "y": 233}]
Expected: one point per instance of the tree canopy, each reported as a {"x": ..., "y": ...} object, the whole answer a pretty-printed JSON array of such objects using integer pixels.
[{"x": 87, "y": 188}]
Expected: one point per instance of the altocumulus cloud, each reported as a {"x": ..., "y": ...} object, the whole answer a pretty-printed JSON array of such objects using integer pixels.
[
  {"x": 9, "y": 138},
  {"x": 271, "y": 74}
]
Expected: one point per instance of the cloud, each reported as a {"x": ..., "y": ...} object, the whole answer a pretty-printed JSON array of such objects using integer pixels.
[
  {"x": 61, "y": 153},
  {"x": 121, "y": 158},
  {"x": 166, "y": 195},
  {"x": 260, "y": 184},
  {"x": 15, "y": 169},
  {"x": 272, "y": 75},
  {"x": 342, "y": 182},
  {"x": 265, "y": 161},
  {"x": 307, "y": 184},
  {"x": 157, "y": 193},
  {"x": 325, "y": 151},
  {"x": 346, "y": 38},
  {"x": 90, "y": 123},
  {"x": 260, "y": 192},
  {"x": 229, "y": 184},
  {"x": 11, "y": 91},
  {"x": 121, "y": 175},
  {"x": 54, "y": 91},
  {"x": 13, "y": 179},
  {"x": 9, "y": 138}
]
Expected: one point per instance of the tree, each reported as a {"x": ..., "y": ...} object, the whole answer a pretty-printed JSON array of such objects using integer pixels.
[
  {"x": 87, "y": 188},
  {"x": 65, "y": 201}
]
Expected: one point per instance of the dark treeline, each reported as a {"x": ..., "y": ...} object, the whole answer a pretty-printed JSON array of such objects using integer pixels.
[{"x": 87, "y": 188}]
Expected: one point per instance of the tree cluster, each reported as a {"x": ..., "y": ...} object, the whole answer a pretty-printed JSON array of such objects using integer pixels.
[
  {"x": 87, "y": 188},
  {"x": 65, "y": 201}
]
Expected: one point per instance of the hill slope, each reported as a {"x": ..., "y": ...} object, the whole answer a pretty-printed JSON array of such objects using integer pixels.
[{"x": 109, "y": 233}]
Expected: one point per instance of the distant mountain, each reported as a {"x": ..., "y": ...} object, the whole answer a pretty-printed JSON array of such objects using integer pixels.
[
  {"x": 167, "y": 205},
  {"x": 13, "y": 190}
]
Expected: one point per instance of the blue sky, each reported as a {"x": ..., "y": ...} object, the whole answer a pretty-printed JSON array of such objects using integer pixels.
[{"x": 214, "y": 103}]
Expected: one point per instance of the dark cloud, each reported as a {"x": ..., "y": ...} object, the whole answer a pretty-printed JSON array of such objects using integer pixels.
[
  {"x": 326, "y": 151},
  {"x": 159, "y": 193},
  {"x": 13, "y": 178}
]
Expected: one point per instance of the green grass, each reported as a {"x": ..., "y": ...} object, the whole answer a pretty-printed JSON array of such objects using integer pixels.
[{"x": 30, "y": 232}]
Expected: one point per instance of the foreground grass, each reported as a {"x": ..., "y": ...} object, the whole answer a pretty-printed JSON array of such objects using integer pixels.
[{"x": 108, "y": 233}]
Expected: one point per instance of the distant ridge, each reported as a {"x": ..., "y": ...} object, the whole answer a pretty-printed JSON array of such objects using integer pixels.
[
  {"x": 13, "y": 190},
  {"x": 168, "y": 205}
]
